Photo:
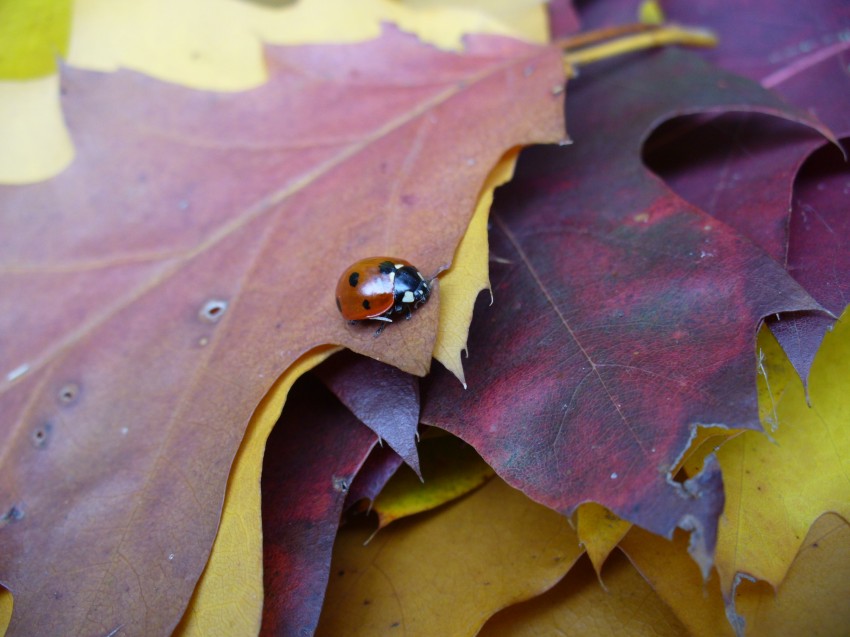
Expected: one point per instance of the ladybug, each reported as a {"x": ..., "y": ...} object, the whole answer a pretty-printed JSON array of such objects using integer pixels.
[{"x": 378, "y": 288}]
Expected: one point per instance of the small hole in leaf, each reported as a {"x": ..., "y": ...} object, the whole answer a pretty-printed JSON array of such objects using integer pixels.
[
  {"x": 340, "y": 484},
  {"x": 68, "y": 394},
  {"x": 40, "y": 435},
  {"x": 213, "y": 310}
]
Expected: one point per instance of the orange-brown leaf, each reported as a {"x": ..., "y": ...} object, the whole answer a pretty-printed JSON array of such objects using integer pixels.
[{"x": 152, "y": 293}]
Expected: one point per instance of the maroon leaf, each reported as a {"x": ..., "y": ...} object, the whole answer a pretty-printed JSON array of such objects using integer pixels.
[
  {"x": 311, "y": 458},
  {"x": 802, "y": 55},
  {"x": 737, "y": 167},
  {"x": 382, "y": 397},
  {"x": 625, "y": 317},
  {"x": 379, "y": 467},
  {"x": 818, "y": 255},
  {"x": 774, "y": 42},
  {"x": 740, "y": 169},
  {"x": 820, "y": 228}
]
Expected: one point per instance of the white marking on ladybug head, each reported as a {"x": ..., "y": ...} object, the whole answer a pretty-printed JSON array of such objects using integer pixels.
[
  {"x": 399, "y": 266},
  {"x": 408, "y": 297}
]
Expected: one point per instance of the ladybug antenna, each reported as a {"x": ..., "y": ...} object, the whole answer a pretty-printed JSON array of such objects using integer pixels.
[{"x": 439, "y": 271}]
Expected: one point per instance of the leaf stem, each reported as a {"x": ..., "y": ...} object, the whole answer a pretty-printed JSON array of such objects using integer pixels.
[
  {"x": 597, "y": 35},
  {"x": 650, "y": 37}
]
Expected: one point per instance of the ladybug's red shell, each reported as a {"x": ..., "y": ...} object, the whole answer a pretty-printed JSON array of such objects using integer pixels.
[{"x": 366, "y": 288}]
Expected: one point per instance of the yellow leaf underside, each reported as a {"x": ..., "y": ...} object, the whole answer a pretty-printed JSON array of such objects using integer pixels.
[
  {"x": 36, "y": 144},
  {"x": 469, "y": 274}
]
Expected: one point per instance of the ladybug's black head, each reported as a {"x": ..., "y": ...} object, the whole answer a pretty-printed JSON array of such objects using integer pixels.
[{"x": 410, "y": 287}]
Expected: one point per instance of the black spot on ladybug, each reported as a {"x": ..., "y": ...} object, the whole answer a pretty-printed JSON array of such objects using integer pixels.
[
  {"x": 366, "y": 305},
  {"x": 338, "y": 306},
  {"x": 353, "y": 278},
  {"x": 386, "y": 267}
]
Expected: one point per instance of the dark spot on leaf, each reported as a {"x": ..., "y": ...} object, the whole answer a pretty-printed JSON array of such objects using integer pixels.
[
  {"x": 353, "y": 278},
  {"x": 385, "y": 267},
  {"x": 274, "y": 3},
  {"x": 341, "y": 572},
  {"x": 395, "y": 625},
  {"x": 41, "y": 435},
  {"x": 213, "y": 310},
  {"x": 366, "y": 602},
  {"x": 68, "y": 394},
  {"x": 366, "y": 304},
  {"x": 14, "y": 514}
]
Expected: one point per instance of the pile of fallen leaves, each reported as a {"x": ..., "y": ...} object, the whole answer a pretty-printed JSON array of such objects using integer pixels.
[{"x": 651, "y": 396}]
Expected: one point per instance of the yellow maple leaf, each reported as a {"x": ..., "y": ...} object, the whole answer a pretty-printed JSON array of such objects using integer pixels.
[
  {"x": 777, "y": 485},
  {"x": 411, "y": 578},
  {"x": 812, "y": 599}
]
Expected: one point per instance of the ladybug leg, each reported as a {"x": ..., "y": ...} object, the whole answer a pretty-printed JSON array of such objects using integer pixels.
[
  {"x": 385, "y": 320},
  {"x": 407, "y": 318}
]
